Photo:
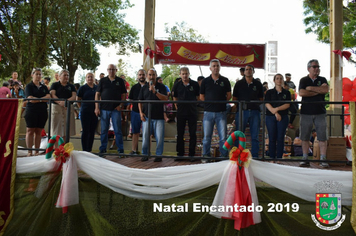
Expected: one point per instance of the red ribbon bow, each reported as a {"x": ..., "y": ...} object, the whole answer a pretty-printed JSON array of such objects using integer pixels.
[
  {"x": 61, "y": 154},
  {"x": 346, "y": 54},
  {"x": 150, "y": 52},
  {"x": 239, "y": 156}
]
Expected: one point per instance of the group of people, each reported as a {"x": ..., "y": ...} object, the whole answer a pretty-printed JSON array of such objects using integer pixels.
[{"x": 110, "y": 95}]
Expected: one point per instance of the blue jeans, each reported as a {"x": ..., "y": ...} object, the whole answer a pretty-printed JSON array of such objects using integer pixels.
[
  {"x": 253, "y": 117},
  {"x": 276, "y": 132},
  {"x": 157, "y": 128},
  {"x": 115, "y": 116},
  {"x": 211, "y": 118}
]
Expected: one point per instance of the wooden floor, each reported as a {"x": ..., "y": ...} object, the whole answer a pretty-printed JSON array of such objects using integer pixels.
[{"x": 135, "y": 162}]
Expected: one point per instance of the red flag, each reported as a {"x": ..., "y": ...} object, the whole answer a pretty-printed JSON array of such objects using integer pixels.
[
  {"x": 187, "y": 53},
  {"x": 9, "y": 132}
]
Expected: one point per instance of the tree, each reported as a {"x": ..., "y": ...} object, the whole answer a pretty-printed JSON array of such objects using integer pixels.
[
  {"x": 122, "y": 70},
  {"x": 34, "y": 32},
  {"x": 317, "y": 21},
  {"x": 79, "y": 29},
  {"x": 23, "y": 36},
  {"x": 178, "y": 32}
]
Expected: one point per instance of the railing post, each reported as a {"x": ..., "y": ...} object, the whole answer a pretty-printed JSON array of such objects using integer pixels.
[
  {"x": 342, "y": 120},
  {"x": 50, "y": 118},
  {"x": 240, "y": 115},
  {"x": 149, "y": 129},
  {"x": 68, "y": 104},
  {"x": 263, "y": 129}
]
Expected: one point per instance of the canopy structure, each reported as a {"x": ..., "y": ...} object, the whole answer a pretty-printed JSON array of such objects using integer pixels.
[{"x": 188, "y": 53}]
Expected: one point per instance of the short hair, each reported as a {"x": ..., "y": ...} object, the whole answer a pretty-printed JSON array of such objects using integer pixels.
[
  {"x": 63, "y": 71},
  {"x": 288, "y": 75},
  {"x": 113, "y": 65},
  {"x": 253, "y": 68},
  {"x": 47, "y": 78},
  {"x": 153, "y": 69},
  {"x": 16, "y": 83},
  {"x": 214, "y": 60},
  {"x": 200, "y": 78},
  {"x": 101, "y": 74},
  {"x": 36, "y": 69},
  {"x": 141, "y": 70},
  {"x": 264, "y": 83},
  {"x": 5, "y": 84},
  {"x": 311, "y": 61},
  {"x": 242, "y": 69},
  {"x": 184, "y": 68}
]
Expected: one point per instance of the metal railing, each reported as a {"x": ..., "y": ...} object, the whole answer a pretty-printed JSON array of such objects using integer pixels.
[{"x": 240, "y": 105}]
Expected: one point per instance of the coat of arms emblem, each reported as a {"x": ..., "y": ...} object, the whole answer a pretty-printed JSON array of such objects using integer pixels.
[
  {"x": 167, "y": 49},
  {"x": 328, "y": 207}
]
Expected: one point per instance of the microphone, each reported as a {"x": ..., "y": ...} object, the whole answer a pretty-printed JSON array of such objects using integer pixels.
[{"x": 151, "y": 83}]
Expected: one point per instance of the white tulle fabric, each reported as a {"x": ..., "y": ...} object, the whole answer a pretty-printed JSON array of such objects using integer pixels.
[
  {"x": 225, "y": 195},
  {"x": 169, "y": 182}
]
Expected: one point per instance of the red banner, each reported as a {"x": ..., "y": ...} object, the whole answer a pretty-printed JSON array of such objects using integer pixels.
[
  {"x": 186, "y": 53},
  {"x": 9, "y": 132}
]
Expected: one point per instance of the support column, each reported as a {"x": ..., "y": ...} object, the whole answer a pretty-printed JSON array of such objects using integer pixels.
[
  {"x": 150, "y": 6},
  {"x": 336, "y": 43}
]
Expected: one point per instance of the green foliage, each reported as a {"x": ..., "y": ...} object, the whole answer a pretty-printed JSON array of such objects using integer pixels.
[
  {"x": 181, "y": 32},
  {"x": 81, "y": 25},
  {"x": 34, "y": 32},
  {"x": 132, "y": 81},
  {"x": 317, "y": 21},
  {"x": 23, "y": 35},
  {"x": 122, "y": 69},
  {"x": 169, "y": 74},
  {"x": 178, "y": 32}
]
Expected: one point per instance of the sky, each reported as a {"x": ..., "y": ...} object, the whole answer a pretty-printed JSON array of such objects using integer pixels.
[{"x": 234, "y": 21}]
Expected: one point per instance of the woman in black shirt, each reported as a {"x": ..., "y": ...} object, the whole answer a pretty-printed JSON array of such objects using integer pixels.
[
  {"x": 277, "y": 116},
  {"x": 36, "y": 110}
]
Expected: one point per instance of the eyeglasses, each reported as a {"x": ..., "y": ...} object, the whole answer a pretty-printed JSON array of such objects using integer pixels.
[
  {"x": 111, "y": 69},
  {"x": 315, "y": 67}
]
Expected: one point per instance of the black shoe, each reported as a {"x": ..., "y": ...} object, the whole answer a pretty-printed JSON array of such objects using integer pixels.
[
  {"x": 157, "y": 159},
  {"x": 192, "y": 160},
  {"x": 133, "y": 153},
  {"x": 102, "y": 153},
  {"x": 144, "y": 159}
]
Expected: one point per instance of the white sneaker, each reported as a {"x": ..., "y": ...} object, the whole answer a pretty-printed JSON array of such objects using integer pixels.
[{"x": 324, "y": 165}]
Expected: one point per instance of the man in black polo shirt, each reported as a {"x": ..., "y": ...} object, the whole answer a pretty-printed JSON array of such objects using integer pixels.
[
  {"x": 152, "y": 91},
  {"x": 214, "y": 88},
  {"x": 111, "y": 87},
  {"x": 312, "y": 88},
  {"x": 135, "y": 112},
  {"x": 249, "y": 89},
  {"x": 186, "y": 90}
]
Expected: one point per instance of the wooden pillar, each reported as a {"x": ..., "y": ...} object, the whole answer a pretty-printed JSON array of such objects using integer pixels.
[
  {"x": 149, "y": 31},
  {"x": 336, "y": 23},
  {"x": 336, "y": 32}
]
